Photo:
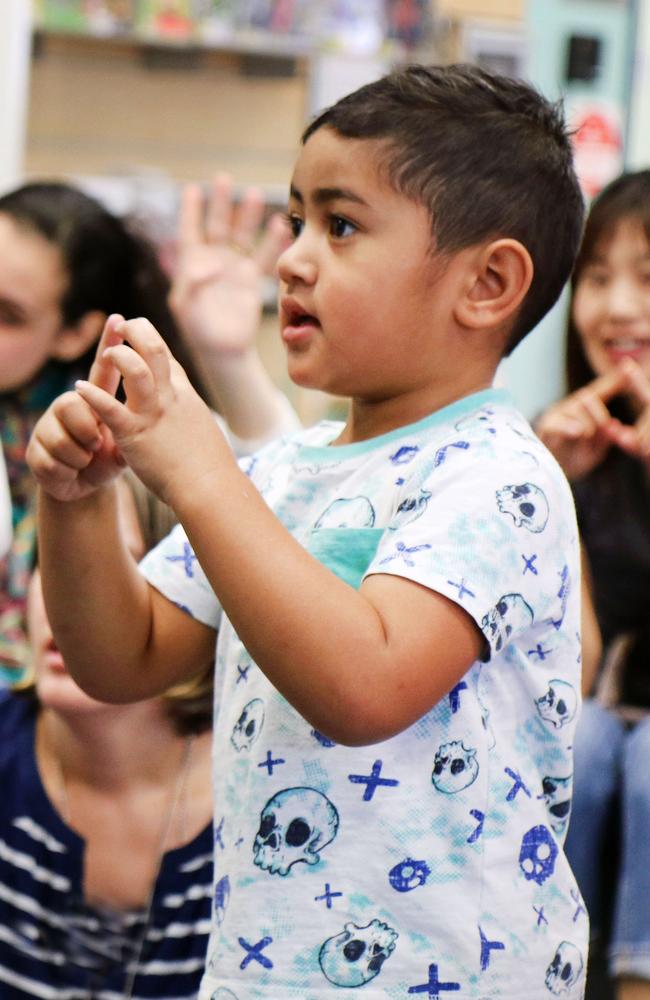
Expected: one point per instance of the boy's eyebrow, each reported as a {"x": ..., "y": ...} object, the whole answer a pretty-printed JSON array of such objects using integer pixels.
[{"x": 321, "y": 196}]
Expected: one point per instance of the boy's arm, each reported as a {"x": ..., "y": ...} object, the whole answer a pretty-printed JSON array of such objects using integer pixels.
[
  {"x": 120, "y": 639},
  {"x": 359, "y": 665}
]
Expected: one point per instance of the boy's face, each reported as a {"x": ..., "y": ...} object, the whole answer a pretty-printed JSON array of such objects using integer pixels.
[{"x": 365, "y": 307}]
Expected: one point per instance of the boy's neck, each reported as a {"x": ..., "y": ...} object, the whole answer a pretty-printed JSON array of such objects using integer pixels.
[{"x": 369, "y": 419}]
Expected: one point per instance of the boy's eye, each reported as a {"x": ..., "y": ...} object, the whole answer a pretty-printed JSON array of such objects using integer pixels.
[
  {"x": 340, "y": 227},
  {"x": 295, "y": 225}
]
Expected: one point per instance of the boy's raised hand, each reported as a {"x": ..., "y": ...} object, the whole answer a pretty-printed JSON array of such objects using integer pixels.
[
  {"x": 71, "y": 453},
  {"x": 216, "y": 291},
  {"x": 580, "y": 430},
  {"x": 163, "y": 431}
]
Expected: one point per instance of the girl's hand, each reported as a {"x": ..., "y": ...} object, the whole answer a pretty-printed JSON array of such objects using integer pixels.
[
  {"x": 580, "y": 430},
  {"x": 164, "y": 431},
  {"x": 635, "y": 439},
  {"x": 71, "y": 453},
  {"x": 216, "y": 293}
]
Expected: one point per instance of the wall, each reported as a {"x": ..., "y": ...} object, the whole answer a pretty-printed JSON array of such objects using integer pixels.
[
  {"x": 508, "y": 10},
  {"x": 639, "y": 134},
  {"x": 535, "y": 372},
  {"x": 14, "y": 82},
  {"x": 99, "y": 107}
]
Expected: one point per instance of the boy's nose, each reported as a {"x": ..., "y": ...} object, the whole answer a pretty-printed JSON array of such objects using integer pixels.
[{"x": 297, "y": 263}]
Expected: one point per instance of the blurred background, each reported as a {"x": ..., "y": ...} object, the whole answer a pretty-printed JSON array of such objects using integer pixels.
[{"x": 131, "y": 98}]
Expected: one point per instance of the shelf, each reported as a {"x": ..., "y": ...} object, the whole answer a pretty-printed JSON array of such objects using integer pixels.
[{"x": 242, "y": 42}]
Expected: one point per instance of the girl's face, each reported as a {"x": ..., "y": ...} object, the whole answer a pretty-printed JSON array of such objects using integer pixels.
[
  {"x": 611, "y": 302},
  {"x": 32, "y": 283}
]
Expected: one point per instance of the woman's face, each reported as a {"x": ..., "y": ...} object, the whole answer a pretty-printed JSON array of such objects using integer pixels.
[
  {"x": 611, "y": 302},
  {"x": 55, "y": 687},
  {"x": 33, "y": 281}
]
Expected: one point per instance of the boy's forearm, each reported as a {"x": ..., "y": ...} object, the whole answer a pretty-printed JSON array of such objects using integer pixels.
[{"x": 97, "y": 602}]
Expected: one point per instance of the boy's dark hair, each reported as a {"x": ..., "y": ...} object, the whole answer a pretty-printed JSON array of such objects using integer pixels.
[
  {"x": 488, "y": 156},
  {"x": 625, "y": 198},
  {"x": 110, "y": 267}
]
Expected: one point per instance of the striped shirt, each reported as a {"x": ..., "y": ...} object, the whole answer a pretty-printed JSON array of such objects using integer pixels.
[{"x": 52, "y": 944}]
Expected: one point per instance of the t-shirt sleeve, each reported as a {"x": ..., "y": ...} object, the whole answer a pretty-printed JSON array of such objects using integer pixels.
[
  {"x": 174, "y": 570},
  {"x": 495, "y": 535},
  {"x": 172, "y": 566}
]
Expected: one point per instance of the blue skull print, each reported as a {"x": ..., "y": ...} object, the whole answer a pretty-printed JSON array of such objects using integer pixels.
[
  {"x": 526, "y": 504},
  {"x": 538, "y": 854},
  {"x": 556, "y": 793},
  {"x": 510, "y": 614},
  {"x": 295, "y": 825},
  {"x": 565, "y": 969},
  {"x": 408, "y": 875},
  {"x": 559, "y": 705},
  {"x": 356, "y": 955},
  {"x": 455, "y": 767},
  {"x": 248, "y": 726}
]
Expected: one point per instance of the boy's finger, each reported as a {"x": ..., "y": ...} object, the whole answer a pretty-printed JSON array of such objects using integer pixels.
[
  {"x": 75, "y": 419},
  {"x": 137, "y": 377},
  {"x": 49, "y": 470},
  {"x": 102, "y": 372},
  {"x": 147, "y": 342},
  {"x": 219, "y": 213},
  {"x": 110, "y": 411},
  {"x": 64, "y": 449},
  {"x": 190, "y": 216}
]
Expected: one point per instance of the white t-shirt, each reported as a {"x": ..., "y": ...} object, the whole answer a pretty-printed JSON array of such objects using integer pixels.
[{"x": 431, "y": 863}]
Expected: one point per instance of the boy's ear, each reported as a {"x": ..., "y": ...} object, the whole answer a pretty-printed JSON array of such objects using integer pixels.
[
  {"x": 499, "y": 280},
  {"x": 74, "y": 340}
]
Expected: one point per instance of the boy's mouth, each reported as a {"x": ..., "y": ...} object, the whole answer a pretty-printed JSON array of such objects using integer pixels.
[
  {"x": 296, "y": 320},
  {"x": 295, "y": 314}
]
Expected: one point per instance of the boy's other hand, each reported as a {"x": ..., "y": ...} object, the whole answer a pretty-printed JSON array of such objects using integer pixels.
[
  {"x": 71, "y": 453},
  {"x": 216, "y": 293},
  {"x": 163, "y": 431},
  {"x": 580, "y": 430}
]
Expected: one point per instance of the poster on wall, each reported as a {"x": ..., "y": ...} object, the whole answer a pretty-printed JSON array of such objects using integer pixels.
[{"x": 597, "y": 138}]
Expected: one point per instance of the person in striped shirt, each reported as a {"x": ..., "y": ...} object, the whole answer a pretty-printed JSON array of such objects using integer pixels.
[{"x": 105, "y": 826}]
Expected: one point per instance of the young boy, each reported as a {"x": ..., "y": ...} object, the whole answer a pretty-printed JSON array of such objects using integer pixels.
[{"x": 398, "y": 654}]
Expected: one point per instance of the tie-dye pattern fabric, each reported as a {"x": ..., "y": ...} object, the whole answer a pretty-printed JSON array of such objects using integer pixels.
[{"x": 430, "y": 864}]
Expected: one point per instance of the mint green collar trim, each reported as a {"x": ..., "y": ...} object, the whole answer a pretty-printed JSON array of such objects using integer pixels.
[{"x": 450, "y": 413}]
